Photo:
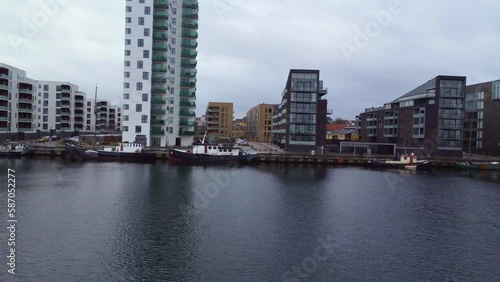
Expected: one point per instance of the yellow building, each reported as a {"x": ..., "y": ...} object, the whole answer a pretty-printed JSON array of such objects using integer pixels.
[
  {"x": 219, "y": 119},
  {"x": 260, "y": 123}
]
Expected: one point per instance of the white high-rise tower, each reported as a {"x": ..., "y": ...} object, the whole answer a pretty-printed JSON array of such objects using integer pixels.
[{"x": 160, "y": 71}]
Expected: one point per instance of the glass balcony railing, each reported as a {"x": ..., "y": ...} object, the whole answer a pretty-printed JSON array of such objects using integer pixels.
[
  {"x": 159, "y": 68},
  {"x": 189, "y": 44},
  {"x": 187, "y": 123},
  {"x": 187, "y": 93},
  {"x": 190, "y": 24},
  {"x": 188, "y": 63},
  {"x": 25, "y": 90},
  {"x": 189, "y": 34},
  {"x": 160, "y": 24},
  {"x": 188, "y": 74},
  {"x": 4, "y": 108},
  {"x": 189, "y": 53},
  {"x": 186, "y": 133},
  {"x": 161, "y": 3},
  {"x": 160, "y": 57},
  {"x": 160, "y": 47},
  {"x": 193, "y": 4},
  {"x": 188, "y": 104},
  {"x": 158, "y": 101},
  {"x": 159, "y": 90},
  {"x": 159, "y": 78},
  {"x": 188, "y": 84},
  {"x": 160, "y": 35},
  {"x": 187, "y": 113},
  {"x": 157, "y": 122},
  {"x": 26, "y": 101},
  {"x": 4, "y": 87},
  {"x": 2, "y": 75},
  {"x": 160, "y": 14},
  {"x": 157, "y": 132},
  {"x": 158, "y": 111},
  {"x": 191, "y": 13}
]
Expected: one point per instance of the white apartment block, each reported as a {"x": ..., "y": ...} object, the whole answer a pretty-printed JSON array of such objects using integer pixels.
[
  {"x": 60, "y": 106},
  {"x": 108, "y": 116},
  {"x": 160, "y": 72},
  {"x": 17, "y": 101}
]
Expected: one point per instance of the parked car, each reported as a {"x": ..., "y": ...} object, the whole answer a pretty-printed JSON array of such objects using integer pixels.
[
  {"x": 68, "y": 140},
  {"x": 44, "y": 139},
  {"x": 55, "y": 138}
]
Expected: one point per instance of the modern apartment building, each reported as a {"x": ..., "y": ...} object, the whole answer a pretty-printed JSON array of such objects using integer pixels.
[
  {"x": 300, "y": 122},
  {"x": 482, "y": 118},
  {"x": 57, "y": 106},
  {"x": 108, "y": 116},
  {"x": 160, "y": 71},
  {"x": 17, "y": 100},
  {"x": 259, "y": 125},
  {"x": 219, "y": 119},
  {"x": 429, "y": 118}
]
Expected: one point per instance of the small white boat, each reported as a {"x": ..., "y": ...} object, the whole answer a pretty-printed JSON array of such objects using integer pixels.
[{"x": 13, "y": 149}]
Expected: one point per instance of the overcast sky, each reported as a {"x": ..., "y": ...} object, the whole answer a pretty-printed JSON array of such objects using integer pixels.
[{"x": 368, "y": 52}]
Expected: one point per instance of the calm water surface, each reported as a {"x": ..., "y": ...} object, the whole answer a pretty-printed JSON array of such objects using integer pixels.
[{"x": 142, "y": 222}]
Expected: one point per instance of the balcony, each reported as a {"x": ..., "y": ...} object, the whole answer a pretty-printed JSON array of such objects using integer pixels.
[
  {"x": 188, "y": 104},
  {"x": 158, "y": 111},
  {"x": 160, "y": 47},
  {"x": 79, "y": 108},
  {"x": 4, "y": 119},
  {"x": 79, "y": 98},
  {"x": 160, "y": 36},
  {"x": 193, "y": 4},
  {"x": 188, "y": 84},
  {"x": 2, "y": 75},
  {"x": 66, "y": 114},
  {"x": 4, "y": 108},
  {"x": 26, "y": 101},
  {"x": 78, "y": 115},
  {"x": 65, "y": 98},
  {"x": 67, "y": 91},
  {"x": 160, "y": 68},
  {"x": 156, "y": 132},
  {"x": 159, "y": 78},
  {"x": 191, "y": 74},
  {"x": 157, "y": 122},
  {"x": 25, "y": 91},
  {"x": 4, "y": 97},
  {"x": 65, "y": 106},
  {"x": 189, "y": 63},
  {"x": 186, "y": 133},
  {"x": 161, "y": 3},
  {"x": 160, "y": 15},
  {"x": 189, "y": 53},
  {"x": 189, "y": 34},
  {"x": 189, "y": 44},
  {"x": 158, "y": 101},
  {"x": 187, "y": 123},
  {"x": 25, "y": 129},
  {"x": 25, "y": 110},
  {"x": 187, "y": 93},
  {"x": 4, "y": 87},
  {"x": 25, "y": 120},
  {"x": 187, "y": 114},
  {"x": 160, "y": 57},
  {"x": 192, "y": 14},
  {"x": 190, "y": 24},
  {"x": 160, "y": 24},
  {"x": 160, "y": 90}
]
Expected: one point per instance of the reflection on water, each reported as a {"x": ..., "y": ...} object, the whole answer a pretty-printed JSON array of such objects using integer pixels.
[{"x": 155, "y": 222}]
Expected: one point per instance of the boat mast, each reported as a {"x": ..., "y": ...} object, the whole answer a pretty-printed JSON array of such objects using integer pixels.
[
  {"x": 95, "y": 113},
  {"x": 205, "y": 135}
]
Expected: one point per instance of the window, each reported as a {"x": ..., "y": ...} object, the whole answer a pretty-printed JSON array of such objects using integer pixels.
[
  {"x": 145, "y": 75},
  {"x": 139, "y": 64},
  {"x": 125, "y": 106},
  {"x": 46, "y": 103},
  {"x": 127, "y": 64},
  {"x": 139, "y": 85},
  {"x": 127, "y": 52},
  {"x": 496, "y": 90},
  {"x": 128, "y": 20},
  {"x": 45, "y": 111},
  {"x": 45, "y": 119},
  {"x": 45, "y": 126},
  {"x": 45, "y": 95},
  {"x": 144, "y": 119},
  {"x": 141, "y": 1},
  {"x": 144, "y": 97},
  {"x": 140, "y": 42},
  {"x": 173, "y": 51},
  {"x": 145, "y": 54},
  {"x": 174, "y": 40},
  {"x": 127, "y": 74},
  {"x": 147, "y": 10},
  {"x": 140, "y": 20},
  {"x": 172, "y": 70},
  {"x": 174, "y": 11},
  {"x": 45, "y": 87},
  {"x": 127, "y": 41},
  {"x": 126, "y": 96},
  {"x": 125, "y": 129},
  {"x": 128, "y": 30},
  {"x": 137, "y": 129},
  {"x": 129, "y": 9},
  {"x": 174, "y": 21},
  {"x": 138, "y": 108},
  {"x": 174, "y": 30},
  {"x": 147, "y": 32},
  {"x": 126, "y": 85}
]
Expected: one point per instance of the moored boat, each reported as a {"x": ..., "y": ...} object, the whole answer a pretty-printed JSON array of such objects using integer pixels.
[
  {"x": 124, "y": 152},
  {"x": 407, "y": 162},
  {"x": 478, "y": 165},
  {"x": 13, "y": 149}
]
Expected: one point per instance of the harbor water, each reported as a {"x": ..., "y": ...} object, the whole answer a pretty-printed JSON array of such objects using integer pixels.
[{"x": 157, "y": 222}]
